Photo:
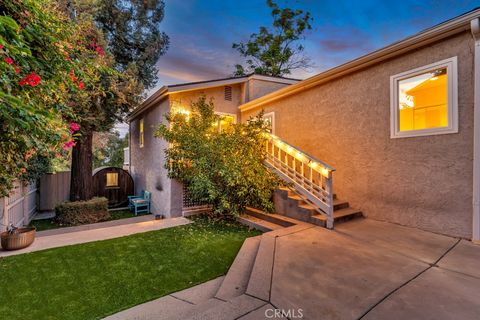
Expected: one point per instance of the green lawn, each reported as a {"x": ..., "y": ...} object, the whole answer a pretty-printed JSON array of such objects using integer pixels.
[
  {"x": 93, "y": 280},
  {"x": 47, "y": 224}
]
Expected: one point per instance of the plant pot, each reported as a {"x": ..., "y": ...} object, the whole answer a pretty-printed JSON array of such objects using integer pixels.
[{"x": 22, "y": 238}]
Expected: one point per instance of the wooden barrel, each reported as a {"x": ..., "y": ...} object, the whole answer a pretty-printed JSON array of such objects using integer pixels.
[{"x": 21, "y": 238}]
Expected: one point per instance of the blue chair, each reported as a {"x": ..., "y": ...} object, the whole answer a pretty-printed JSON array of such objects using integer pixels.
[
  {"x": 130, "y": 198},
  {"x": 141, "y": 205}
]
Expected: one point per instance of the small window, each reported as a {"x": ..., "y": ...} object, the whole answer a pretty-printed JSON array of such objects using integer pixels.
[
  {"x": 269, "y": 118},
  {"x": 225, "y": 120},
  {"x": 228, "y": 93},
  {"x": 141, "y": 134},
  {"x": 112, "y": 179},
  {"x": 424, "y": 100}
]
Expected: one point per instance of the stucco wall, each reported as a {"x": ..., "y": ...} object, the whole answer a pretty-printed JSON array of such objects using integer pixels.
[
  {"x": 147, "y": 164},
  {"x": 424, "y": 182},
  {"x": 217, "y": 94},
  {"x": 259, "y": 88}
]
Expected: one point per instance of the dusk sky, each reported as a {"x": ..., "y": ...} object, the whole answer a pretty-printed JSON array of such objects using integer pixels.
[{"x": 202, "y": 32}]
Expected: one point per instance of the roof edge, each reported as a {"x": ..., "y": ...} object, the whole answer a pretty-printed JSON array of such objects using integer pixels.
[{"x": 430, "y": 35}]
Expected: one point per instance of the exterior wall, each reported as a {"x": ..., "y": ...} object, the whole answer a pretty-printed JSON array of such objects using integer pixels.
[
  {"x": 259, "y": 88},
  {"x": 423, "y": 182},
  {"x": 185, "y": 99},
  {"x": 147, "y": 164}
]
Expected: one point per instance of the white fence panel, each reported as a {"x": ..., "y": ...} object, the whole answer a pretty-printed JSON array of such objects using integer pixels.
[{"x": 20, "y": 205}]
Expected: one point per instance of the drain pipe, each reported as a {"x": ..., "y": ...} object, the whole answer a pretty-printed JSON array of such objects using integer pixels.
[{"x": 475, "y": 27}]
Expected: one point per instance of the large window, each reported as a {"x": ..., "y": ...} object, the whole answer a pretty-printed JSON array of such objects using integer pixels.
[
  {"x": 270, "y": 120},
  {"x": 141, "y": 139},
  {"x": 424, "y": 100}
]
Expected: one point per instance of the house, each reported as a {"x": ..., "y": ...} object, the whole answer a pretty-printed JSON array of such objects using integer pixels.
[
  {"x": 400, "y": 125},
  {"x": 396, "y": 132},
  {"x": 146, "y": 153}
]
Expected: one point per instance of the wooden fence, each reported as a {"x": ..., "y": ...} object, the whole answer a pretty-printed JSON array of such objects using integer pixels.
[
  {"x": 54, "y": 189},
  {"x": 19, "y": 206}
]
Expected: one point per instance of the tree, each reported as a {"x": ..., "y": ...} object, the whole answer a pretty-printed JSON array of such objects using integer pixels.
[
  {"x": 108, "y": 149},
  {"x": 130, "y": 41},
  {"x": 132, "y": 30},
  {"x": 224, "y": 168},
  {"x": 35, "y": 90},
  {"x": 276, "y": 52}
]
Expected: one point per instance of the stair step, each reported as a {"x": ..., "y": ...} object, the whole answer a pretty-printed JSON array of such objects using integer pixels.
[
  {"x": 340, "y": 204},
  {"x": 271, "y": 217},
  {"x": 235, "y": 282},
  {"x": 257, "y": 223},
  {"x": 228, "y": 310},
  {"x": 338, "y": 216},
  {"x": 260, "y": 279}
]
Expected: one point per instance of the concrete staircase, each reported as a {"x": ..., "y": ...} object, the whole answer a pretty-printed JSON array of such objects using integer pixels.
[{"x": 290, "y": 204}]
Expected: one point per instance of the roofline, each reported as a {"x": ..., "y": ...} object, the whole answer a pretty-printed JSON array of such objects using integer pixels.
[
  {"x": 164, "y": 91},
  {"x": 434, "y": 34}
]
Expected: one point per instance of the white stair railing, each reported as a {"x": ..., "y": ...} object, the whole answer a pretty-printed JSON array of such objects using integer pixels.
[{"x": 310, "y": 178}]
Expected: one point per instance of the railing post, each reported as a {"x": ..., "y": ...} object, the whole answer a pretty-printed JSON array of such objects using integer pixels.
[{"x": 330, "y": 218}]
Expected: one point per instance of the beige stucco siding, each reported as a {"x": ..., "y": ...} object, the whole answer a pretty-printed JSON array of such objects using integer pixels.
[
  {"x": 424, "y": 182},
  {"x": 217, "y": 95},
  {"x": 147, "y": 164},
  {"x": 258, "y": 88}
]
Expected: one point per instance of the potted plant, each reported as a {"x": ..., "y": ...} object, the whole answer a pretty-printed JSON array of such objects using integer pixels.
[{"x": 17, "y": 238}]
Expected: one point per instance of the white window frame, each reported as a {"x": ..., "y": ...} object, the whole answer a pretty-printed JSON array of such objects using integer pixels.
[
  {"x": 272, "y": 115},
  {"x": 452, "y": 100}
]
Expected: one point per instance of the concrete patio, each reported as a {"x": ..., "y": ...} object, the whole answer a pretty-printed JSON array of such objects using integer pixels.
[{"x": 364, "y": 269}]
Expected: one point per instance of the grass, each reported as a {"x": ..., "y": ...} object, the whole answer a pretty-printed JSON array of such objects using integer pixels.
[
  {"x": 93, "y": 280},
  {"x": 47, "y": 224}
]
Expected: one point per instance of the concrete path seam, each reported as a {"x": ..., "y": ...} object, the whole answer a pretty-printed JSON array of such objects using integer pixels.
[
  {"x": 193, "y": 304},
  {"x": 243, "y": 315},
  {"x": 273, "y": 267},
  {"x": 407, "y": 282}
]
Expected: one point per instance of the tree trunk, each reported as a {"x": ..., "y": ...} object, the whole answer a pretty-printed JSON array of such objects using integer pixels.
[{"x": 81, "y": 184}]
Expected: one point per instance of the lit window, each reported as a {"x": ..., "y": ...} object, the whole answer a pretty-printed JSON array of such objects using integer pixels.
[
  {"x": 225, "y": 120},
  {"x": 141, "y": 135},
  {"x": 424, "y": 100},
  {"x": 112, "y": 179},
  {"x": 269, "y": 118}
]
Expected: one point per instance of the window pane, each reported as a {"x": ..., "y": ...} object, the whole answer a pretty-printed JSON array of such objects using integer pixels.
[
  {"x": 112, "y": 179},
  {"x": 423, "y": 101},
  {"x": 226, "y": 121},
  {"x": 141, "y": 136}
]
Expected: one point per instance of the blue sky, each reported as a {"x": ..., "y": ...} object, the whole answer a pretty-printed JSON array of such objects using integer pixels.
[{"x": 202, "y": 32}]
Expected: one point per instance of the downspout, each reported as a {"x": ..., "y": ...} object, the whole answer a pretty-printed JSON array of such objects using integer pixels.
[{"x": 475, "y": 27}]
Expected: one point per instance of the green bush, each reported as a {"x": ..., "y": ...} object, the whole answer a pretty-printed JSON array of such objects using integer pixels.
[{"x": 82, "y": 212}]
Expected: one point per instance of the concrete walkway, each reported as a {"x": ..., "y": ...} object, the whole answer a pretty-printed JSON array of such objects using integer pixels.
[
  {"x": 364, "y": 269},
  {"x": 101, "y": 231}
]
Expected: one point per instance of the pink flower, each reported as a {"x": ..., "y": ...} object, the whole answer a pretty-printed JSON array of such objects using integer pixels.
[
  {"x": 9, "y": 60},
  {"x": 17, "y": 69},
  {"x": 1, "y": 46},
  {"x": 100, "y": 51},
  {"x": 81, "y": 85},
  {"x": 74, "y": 127},
  {"x": 69, "y": 144},
  {"x": 32, "y": 79}
]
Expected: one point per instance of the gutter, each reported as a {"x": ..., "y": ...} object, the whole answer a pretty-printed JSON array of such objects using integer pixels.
[
  {"x": 154, "y": 98},
  {"x": 475, "y": 26},
  {"x": 426, "y": 37}
]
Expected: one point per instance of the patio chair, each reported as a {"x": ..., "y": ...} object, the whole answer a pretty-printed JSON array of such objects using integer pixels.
[
  {"x": 130, "y": 198},
  {"x": 141, "y": 205}
]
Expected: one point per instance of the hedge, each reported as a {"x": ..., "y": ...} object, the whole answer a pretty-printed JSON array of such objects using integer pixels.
[{"x": 82, "y": 212}]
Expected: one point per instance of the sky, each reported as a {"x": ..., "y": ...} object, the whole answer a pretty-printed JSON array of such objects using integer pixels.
[{"x": 202, "y": 31}]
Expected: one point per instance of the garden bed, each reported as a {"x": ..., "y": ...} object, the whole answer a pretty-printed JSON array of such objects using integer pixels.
[
  {"x": 96, "y": 279},
  {"x": 47, "y": 224}
]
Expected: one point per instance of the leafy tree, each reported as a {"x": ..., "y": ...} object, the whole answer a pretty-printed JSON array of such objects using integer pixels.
[
  {"x": 35, "y": 90},
  {"x": 224, "y": 168},
  {"x": 108, "y": 149},
  {"x": 132, "y": 30},
  {"x": 276, "y": 51}
]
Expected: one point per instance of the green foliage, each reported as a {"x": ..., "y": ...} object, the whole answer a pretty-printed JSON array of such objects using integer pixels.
[
  {"x": 224, "y": 168},
  {"x": 108, "y": 149},
  {"x": 33, "y": 112},
  {"x": 133, "y": 35},
  {"x": 276, "y": 51},
  {"x": 82, "y": 212}
]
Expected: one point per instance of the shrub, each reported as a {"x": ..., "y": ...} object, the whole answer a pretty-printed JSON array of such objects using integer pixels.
[
  {"x": 222, "y": 166},
  {"x": 82, "y": 212}
]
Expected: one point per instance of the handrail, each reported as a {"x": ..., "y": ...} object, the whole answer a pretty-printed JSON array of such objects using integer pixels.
[{"x": 310, "y": 178}]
